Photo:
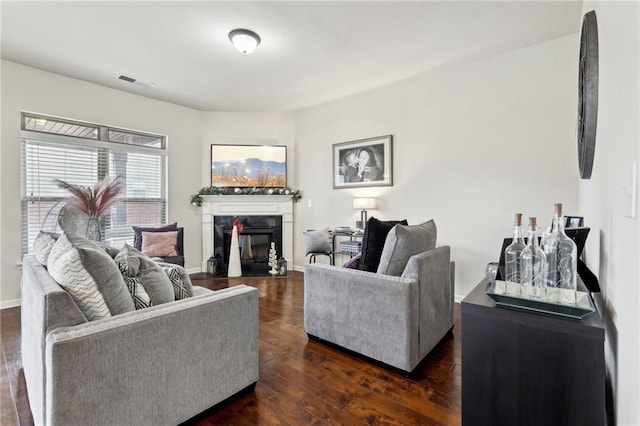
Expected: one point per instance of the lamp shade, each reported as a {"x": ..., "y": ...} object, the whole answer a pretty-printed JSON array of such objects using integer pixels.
[
  {"x": 245, "y": 41},
  {"x": 364, "y": 203}
]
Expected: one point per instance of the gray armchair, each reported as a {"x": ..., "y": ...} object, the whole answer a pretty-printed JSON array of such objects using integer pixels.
[{"x": 396, "y": 320}]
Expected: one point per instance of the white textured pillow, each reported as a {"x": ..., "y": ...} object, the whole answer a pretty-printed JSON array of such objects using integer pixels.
[
  {"x": 66, "y": 267},
  {"x": 159, "y": 244},
  {"x": 81, "y": 266},
  {"x": 43, "y": 244},
  {"x": 317, "y": 241}
]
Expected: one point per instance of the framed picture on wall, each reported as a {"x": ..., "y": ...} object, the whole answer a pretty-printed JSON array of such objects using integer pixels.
[{"x": 362, "y": 163}]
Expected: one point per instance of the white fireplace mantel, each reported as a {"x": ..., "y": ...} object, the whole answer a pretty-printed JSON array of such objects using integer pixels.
[{"x": 246, "y": 205}]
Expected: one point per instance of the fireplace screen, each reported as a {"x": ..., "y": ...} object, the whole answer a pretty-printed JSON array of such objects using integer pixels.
[{"x": 255, "y": 241}]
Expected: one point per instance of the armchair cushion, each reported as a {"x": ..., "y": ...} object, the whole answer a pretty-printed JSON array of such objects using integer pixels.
[
  {"x": 159, "y": 243},
  {"x": 138, "y": 230},
  {"x": 403, "y": 242},
  {"x": 375, "y": 234}
]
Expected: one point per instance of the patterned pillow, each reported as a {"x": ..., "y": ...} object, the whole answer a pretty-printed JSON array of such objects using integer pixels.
[
  {"x": 154, "y": 280},
  {"x": 138, "y": 230},
  {"x": 90, "y": 276},
  {"x": 43, "y": 244},
  {"x": 139, "y": 295},
  {"x": 159, "y": 244},
  {"x": 402, "y": 243},
  {"x": 179, "y": 278}
]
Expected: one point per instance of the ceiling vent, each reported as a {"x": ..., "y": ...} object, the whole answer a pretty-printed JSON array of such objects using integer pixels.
[{"x": 135, "y": 81}]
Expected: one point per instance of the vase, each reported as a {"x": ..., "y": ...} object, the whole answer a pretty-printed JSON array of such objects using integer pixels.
[
  {"x": 93, "y": 231},
  {"x": 235, "y": 269}
]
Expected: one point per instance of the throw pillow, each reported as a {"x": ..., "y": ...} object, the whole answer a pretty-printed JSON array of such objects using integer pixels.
[
  {"x": 159, "y": 244},
  {"x": 317, "y": 241},
  {"x": 154, "y": 280},
  {"x": 179, "y": 278},
  {"x": 141, "y": 298},
  {"x": 403, "y": 242},
  {"x": 353, "y": 263},
  {"x": 89, "y": 274},
  {"x": 375, "y": 234},
  {"x": 43, "y": 244},
  {"x": 138, "y": 230}
]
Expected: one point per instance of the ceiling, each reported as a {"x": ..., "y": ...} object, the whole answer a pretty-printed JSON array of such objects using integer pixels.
[{"x": 311, "y": 52}]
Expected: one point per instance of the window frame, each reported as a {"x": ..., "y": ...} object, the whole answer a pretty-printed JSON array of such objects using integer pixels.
[{"x": 103, "y": 147}]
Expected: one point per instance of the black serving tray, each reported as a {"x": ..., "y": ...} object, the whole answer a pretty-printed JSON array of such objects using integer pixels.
[{"x": 581, "y": 309}]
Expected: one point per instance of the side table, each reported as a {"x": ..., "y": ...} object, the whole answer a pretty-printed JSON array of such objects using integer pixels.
[{"x": 524, "y": 368}]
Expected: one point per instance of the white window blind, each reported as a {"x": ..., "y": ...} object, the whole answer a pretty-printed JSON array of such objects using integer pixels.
[{"x": 83, "y": 154}]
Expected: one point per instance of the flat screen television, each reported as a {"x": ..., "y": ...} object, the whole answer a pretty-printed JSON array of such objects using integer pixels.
[{"x": 248, "y": 166}]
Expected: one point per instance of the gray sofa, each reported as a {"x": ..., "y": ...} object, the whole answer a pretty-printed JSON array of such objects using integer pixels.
[
  {"x": 156, "y": 366},
  {"x": 396, "y": 320}
]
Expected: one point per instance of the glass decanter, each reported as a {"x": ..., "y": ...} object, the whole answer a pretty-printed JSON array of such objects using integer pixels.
[
  {"x": 534, "y": 264},
  {"x": 513, "y": 257},
  {"x": 562, "y": 262}
]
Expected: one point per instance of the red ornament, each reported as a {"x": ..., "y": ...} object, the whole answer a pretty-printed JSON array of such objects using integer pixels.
[{"x": 238, "y": 224}]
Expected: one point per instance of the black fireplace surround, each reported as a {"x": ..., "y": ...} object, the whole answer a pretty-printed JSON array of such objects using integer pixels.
[{"x": 255, "y": 241}]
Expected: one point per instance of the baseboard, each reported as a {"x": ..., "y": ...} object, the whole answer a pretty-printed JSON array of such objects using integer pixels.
[
  {"x": 298, "y": 268},
  {"x": 458, "y": 298},
  {"x": 12, "y": 303},
  {"x": 195, "y": 270}
]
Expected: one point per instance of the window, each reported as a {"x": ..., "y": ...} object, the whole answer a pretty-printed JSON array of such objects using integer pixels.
[{"x": 82, "y": 154}]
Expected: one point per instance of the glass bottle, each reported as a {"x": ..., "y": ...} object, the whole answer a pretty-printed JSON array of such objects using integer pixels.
[
  {"x": 513, "y": 257},
  {"x": 562, "y": 262},
  {"x": 534, "y": 264}
]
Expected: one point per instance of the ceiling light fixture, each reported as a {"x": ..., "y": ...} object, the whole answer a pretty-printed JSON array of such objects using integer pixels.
[{"x": 245, "y": 41}]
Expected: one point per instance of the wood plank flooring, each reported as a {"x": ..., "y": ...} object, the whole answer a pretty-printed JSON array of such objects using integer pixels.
[{"x": 301, "y": 382}]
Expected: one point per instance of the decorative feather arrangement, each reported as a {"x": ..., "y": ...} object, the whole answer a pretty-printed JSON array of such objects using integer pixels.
[{"x": 95, "y": 201}]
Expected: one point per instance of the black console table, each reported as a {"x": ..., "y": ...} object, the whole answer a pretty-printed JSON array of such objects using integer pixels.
[{"x": 523, "y": 368}]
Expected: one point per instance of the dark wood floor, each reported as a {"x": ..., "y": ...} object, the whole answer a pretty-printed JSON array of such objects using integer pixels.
[{"x": 301, "y": 382}]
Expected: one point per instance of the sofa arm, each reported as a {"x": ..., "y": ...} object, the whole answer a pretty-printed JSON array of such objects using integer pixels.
[
  {"x": 433, "y": 269},
  {"x": 372, "y": 314},
  {"x": 160, "y": 365}
]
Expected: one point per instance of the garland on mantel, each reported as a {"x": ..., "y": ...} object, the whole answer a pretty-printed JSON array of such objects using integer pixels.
[{"x": 196, "y": 199}]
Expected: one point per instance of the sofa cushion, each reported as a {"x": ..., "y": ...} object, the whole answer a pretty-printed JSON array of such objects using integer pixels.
[
  {"x": 43, "y": 244},
  {"x": 89, "y": 274},
  {"x": 375, "y": 234},
  {"x": 159, "y": 243},
  {"x": 317, "y": 241},
  {"x": 138, "y": 230},
  {"x": 403, "y": 242},
  {"x": 154, "y": 280}
]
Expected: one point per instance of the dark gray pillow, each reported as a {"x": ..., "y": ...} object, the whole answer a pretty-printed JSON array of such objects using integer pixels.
[
  {"x": 403, "y": 242},
  {"x": 375, "y": 234}
]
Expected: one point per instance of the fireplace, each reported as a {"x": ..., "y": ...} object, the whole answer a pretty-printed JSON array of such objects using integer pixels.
[
  {"x": 271, "y": 220},
  {"x": 255, "y": 241}
]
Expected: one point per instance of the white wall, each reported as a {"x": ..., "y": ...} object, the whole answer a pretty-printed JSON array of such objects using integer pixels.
[
  {"x": 29, "y": 89},
  {"x": 247, "y": 128},
  {"x": 614, "y": 250},
  {"x": 473, "y": 144}
]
